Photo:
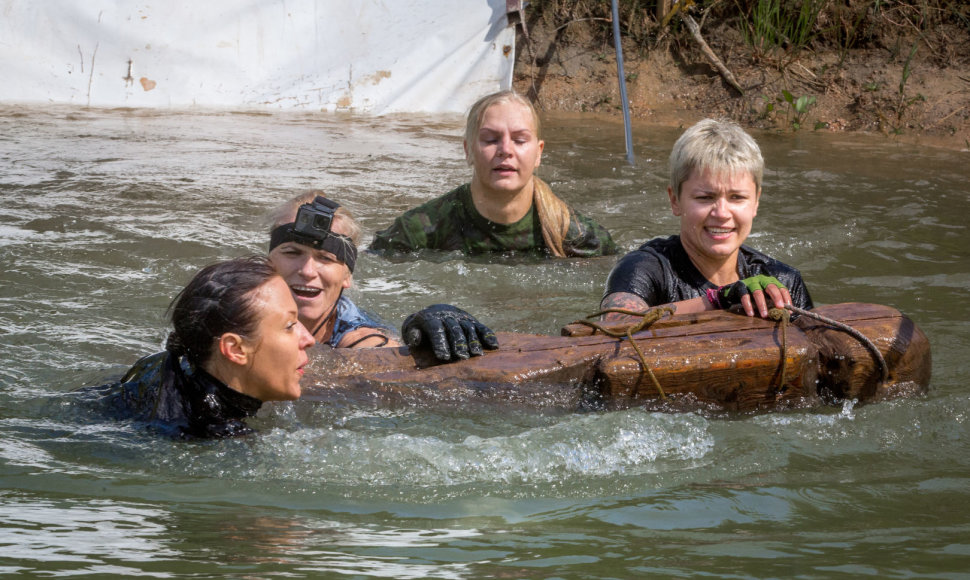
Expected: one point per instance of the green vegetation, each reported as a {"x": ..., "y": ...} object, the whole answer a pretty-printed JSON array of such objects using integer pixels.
[
  {"x": 782, "y": 40},
  {"x": 785, "y": 23},
  {"x": 797, "y": 108},
  {"x": 788, "y": 24},
  {"x": 903, "y": 102},
  {"x": 773, "y": 25}
]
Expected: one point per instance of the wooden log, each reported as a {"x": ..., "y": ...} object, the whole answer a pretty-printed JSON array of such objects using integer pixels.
[
  {"x": 736, "y": 369},
  {"x": 714, "y": 360},
  {"x": 531, "y": 370},
  {"x": 701, "y": 323},
  {"x": 847, "y": 370}
]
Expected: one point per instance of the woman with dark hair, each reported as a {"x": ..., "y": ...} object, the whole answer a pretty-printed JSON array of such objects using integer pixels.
[
  {"x": 505, "y": 207},
  {"x": 236, "y": 343}
]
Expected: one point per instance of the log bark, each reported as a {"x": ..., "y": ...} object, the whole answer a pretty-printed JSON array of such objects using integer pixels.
[
  {"x": 714, "y": 361},
  {"x": 847, "y": 370}
]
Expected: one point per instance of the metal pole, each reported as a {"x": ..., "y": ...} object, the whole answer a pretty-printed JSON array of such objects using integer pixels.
[{"x": 619, "y": 72}]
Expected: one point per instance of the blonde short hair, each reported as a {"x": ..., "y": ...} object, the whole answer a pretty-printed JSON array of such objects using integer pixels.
[{"x": 718, "y": 146}]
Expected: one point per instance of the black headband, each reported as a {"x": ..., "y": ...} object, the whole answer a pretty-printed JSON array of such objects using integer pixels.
[{"x": 339, "y": 245}]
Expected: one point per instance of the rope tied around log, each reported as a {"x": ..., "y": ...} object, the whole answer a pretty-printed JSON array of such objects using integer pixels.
[
  {"x": 648, "y": 317},
  {"x": 782, "y": 317},
  {"x": 870, "y": 346}
]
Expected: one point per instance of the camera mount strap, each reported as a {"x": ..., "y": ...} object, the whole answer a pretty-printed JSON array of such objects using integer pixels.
[{"x": 339, "y": 245}]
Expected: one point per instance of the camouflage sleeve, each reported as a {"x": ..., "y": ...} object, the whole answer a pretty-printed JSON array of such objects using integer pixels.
[
  {"x": 404, "y": 235},
  {"x": 586, "y": 238},
  {"x": 426, "y": 226}
]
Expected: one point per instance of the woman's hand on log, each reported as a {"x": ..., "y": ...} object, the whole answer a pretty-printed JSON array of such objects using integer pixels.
[
  {"x": 751, "y": 293},
  {"x": 452, "y": 333}
]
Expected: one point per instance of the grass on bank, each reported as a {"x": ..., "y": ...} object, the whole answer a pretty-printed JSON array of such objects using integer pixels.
[
  {"x": 767, "y": 25},
  {"x": 781, "y": 34}
]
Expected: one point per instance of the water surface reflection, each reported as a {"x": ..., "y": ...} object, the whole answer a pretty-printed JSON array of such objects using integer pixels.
[{"x": 106, "y": 214}]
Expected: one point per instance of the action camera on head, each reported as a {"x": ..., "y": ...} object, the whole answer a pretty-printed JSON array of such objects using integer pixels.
[
  {"x": 313, "y": 228},
  {"x": 314, "y": 219}
]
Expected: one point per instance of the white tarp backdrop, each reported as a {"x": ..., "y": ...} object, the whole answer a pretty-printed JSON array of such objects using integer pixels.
[{"x": 377, "y": 56}]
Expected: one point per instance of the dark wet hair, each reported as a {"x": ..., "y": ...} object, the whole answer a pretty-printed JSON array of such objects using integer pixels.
[{"x": 217, "y": 300}]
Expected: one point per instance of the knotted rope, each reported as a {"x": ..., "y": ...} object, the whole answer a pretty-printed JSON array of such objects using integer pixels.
[
  {"x": 870, "y": 346},
  {"x": 782, "y": 317},
  {"x": 648, "y": 317}
]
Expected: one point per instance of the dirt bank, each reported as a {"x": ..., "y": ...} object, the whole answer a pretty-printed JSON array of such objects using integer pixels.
[{"x": 887, "y": 89}]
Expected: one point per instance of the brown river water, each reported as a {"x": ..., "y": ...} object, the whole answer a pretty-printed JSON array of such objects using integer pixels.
[{"x": 105, "y": 214}]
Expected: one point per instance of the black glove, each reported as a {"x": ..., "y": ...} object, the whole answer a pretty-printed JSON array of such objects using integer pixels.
[{"x": 453, "y": 333}]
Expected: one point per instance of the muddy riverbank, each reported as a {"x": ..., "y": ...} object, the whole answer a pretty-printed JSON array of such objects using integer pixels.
[{"x": 898, "y": 85}]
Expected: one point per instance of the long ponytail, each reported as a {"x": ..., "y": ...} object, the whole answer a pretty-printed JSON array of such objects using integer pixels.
[
  {"x": 554, "y": 217},
  {"x": 554, "y": 214}
]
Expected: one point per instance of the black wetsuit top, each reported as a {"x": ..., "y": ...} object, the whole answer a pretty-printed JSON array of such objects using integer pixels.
[
  {"x": 660, "y": 272},
  {"x": 173, "y": 397}
]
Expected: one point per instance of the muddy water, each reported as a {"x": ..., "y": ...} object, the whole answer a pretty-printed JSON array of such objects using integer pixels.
[{"x": 105, "y": 214}]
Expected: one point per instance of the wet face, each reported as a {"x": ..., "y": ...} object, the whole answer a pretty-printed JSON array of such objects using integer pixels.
[
  {"x": 716, "y": 212},
  {"x": 315, "y": 277},
  {"x": 278, "y": 354},
  {"x": 506, "y": 151}
]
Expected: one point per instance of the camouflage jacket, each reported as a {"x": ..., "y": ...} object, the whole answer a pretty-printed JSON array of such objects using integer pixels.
[{"x": 451, "y": 222}]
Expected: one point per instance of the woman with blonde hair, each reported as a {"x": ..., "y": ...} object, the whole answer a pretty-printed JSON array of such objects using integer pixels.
[
  {"x": 716, "y": 171},
  {"x": 505, "y": 207},
  {"x": 313, "y": 243}
]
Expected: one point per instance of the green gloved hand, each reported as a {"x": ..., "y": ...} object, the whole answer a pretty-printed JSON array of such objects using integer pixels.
[{"x": 725, "y": 297}]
